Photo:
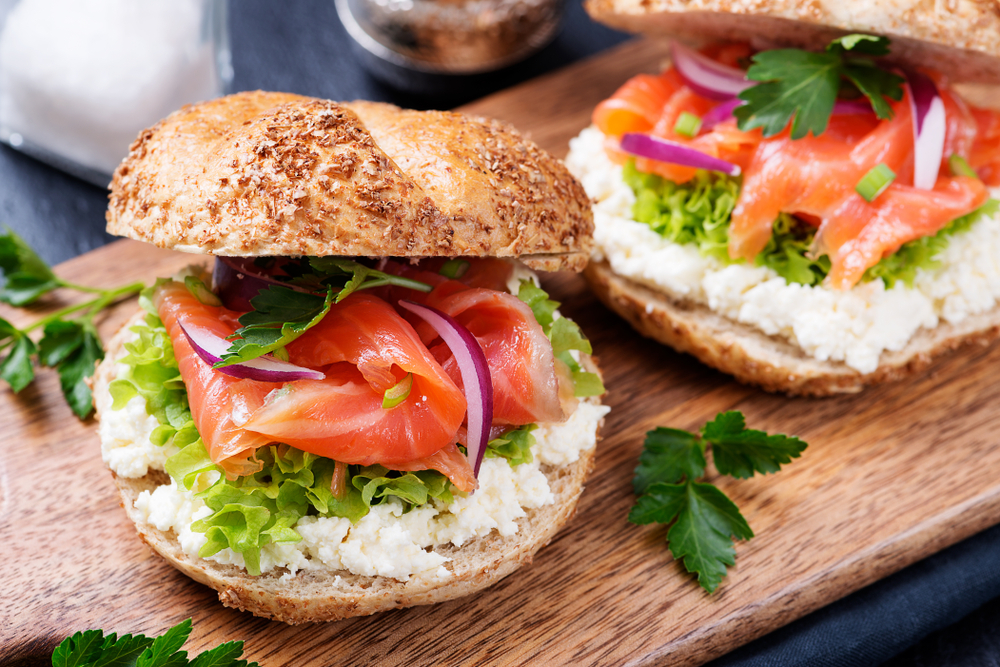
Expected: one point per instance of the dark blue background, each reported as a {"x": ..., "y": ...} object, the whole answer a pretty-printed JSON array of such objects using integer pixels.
[{"x": 301, "y": 47}]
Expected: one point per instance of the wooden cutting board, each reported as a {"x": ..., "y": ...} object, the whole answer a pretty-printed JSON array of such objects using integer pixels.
[{"x": 891, "y": 476}]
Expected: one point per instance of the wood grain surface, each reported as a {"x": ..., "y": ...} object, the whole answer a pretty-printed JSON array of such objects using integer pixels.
[{"x": 890, "y": 476}]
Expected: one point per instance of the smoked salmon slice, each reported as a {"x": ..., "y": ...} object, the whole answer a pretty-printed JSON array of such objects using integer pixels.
[
  {"x": 369, "y": 348},
  {"x": 633, "y": 108},
  {"x": 858, "y": 234},
  {"x": 341, "y": 417},
  {"x": 364, "y": 347},
  {"x": 528, "y": 384},
  {"x": 815, "y": 178},
  {"x": 984, "y": 155},
  {"x": 213, "y": 396},
  {"x": 812, "y": 175},
  {"x": 526, "y": 387},
  {"x": 637, "y": 105}
]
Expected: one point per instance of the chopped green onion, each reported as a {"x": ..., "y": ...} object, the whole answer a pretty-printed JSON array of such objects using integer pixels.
[
  {"x": 959, "y": 167},
  {"x": 200, "y": 291},
  {"x": 875, "y": 182},
  {"x": 687, "y": 125},
  {"x": 397, "y": 393},
  {"x": 454, "y": 268}
]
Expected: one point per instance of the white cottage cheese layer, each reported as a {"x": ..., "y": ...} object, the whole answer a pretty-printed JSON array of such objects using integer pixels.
[{"x": 853, "y": 326}]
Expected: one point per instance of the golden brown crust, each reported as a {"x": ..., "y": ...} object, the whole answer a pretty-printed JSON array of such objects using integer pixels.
[
  {"x": 958, "y": 37},
  {"x": 770, "y": 362},
  {"x": 256, "y": 174},
  {"x": 324, "y": 594}
]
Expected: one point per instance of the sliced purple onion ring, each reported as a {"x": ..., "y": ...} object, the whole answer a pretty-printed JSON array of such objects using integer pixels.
[
  {"x": 707, "y": 77},
  {"x": 475, "y": 376},
  {"x": 719, "y": 114},
  {"x": 235, "y": 281},
  {"x": 929, "y": 129},
  {"x": 211, "y": 347},
  {"x": 645, "y": 145}
]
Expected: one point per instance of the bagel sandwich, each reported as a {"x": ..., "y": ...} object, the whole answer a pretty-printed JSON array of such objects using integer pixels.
[
  {"x": 811, "y": 249},
  {"x": 370, "y": 403}
]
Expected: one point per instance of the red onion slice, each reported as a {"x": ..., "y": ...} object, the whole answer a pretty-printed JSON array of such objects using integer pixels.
[
  {"x": 662, "y": 150},
  {"x": 719, "y": 114},
  {"x": 929, "y": 128},
  {"x": 475, "y": 376},
  {"x": 211, "y": 347},
  {"x": 235, "y": 280},
  {"x": 707, "y": 77}
]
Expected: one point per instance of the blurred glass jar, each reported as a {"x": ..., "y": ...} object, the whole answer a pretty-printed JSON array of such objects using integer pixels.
[
  {"x": 449, "y": 36},
  {"x": 79, "y": 79}
]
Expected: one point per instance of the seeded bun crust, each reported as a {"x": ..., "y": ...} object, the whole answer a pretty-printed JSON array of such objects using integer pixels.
[
  {"x": 958, "y": 37},
  {"x": 325, "y": 594},
  {"x": 266, "y": 174},
  {"x": 771, "y": 362}
]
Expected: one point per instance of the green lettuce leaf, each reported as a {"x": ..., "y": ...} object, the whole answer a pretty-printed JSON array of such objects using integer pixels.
[
  {"x": 543, "y": 308},
  {"x": 564, "y": 334},
  {"x": 514, "y": 445},
  {"x": 377, "y": 483},
  {"x": 256, "y": 510},
  {"x": 786, "y": 253},
  {"x": 697, "y": 212}
]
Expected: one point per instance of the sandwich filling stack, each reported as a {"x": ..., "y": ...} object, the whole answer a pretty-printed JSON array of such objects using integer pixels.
[
  {"x": 808, "y": 221},
  {"x": 370, "y": 402}
]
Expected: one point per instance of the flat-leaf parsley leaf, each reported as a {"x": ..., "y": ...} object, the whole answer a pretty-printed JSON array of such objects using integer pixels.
[
  {"x": 740, "y": 452},
  {"x": 802, "y": 86},
  {"x": 71, "y": 346},
  {"x": 91, "y": 648},
  {"x": 703, "y": 520}
]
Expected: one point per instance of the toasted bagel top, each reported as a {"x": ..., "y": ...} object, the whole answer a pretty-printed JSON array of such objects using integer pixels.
[{"x": 263, "y": 174}]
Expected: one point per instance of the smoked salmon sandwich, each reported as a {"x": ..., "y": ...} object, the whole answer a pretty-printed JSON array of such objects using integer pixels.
[
  {"x": 803, "y": 198},
  {"x": 369, "y": 402}
]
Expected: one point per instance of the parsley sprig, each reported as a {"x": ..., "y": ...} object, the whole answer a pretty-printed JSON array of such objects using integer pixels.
[
  {"x": 92, "y": 648},
  {"x": 281, "y": 314},
  {"x": 703, "y": 520},
  {"x": 71, "y": 346},
  {"x": 802, "y": 86}
]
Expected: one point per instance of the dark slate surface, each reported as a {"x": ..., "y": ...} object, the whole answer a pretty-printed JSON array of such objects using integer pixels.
[{"x": 941, "y": 612}]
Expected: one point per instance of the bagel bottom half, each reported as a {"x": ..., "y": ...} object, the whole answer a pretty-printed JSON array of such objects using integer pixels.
[
  {"x": 321, "y": 593},
  {"x": 770, "y": 362}
]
